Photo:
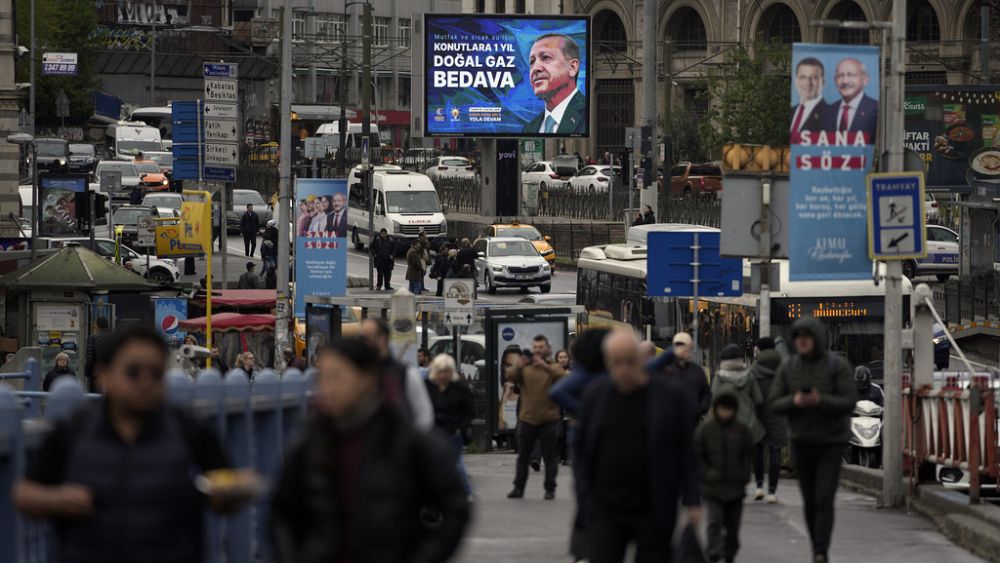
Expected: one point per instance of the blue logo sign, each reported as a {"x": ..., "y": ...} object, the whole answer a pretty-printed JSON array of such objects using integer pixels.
[
  {"x": 219, "y": 70},
  {"x": 896, "y": 221},
  {"x": 507, "y": 334}
]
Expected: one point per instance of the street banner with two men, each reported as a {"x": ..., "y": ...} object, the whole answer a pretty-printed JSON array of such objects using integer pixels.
[{"x": 320, "y": 239}]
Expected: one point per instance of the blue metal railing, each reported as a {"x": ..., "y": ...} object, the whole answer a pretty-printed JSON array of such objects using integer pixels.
[{"x": 255, "y": 425}]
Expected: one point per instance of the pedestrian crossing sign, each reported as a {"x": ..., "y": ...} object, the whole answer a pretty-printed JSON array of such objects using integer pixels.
[{"x": 897, "y": 226}]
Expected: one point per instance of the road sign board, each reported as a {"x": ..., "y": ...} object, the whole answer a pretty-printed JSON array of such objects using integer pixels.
[
  {"x": 220, "y": 154},
  {"x": 897, "y": 226},
  {"x": 219, "y": 173},
  {"x": 459, "y": 301},
  {"x": 59, "y": 64},
  {"x": 633, "y": 138},
  {"x": 146, "y": 231},
  {"x": 220, "y": 130},
  {"x": 221, "y": 111},
  {"x": 314, "y": 147},
  {"x": 111, "y": 181},
  {"x": 220, "y": 70},
  {"x": 221, "y": 90},
  {"x": 687, "y": 264}
]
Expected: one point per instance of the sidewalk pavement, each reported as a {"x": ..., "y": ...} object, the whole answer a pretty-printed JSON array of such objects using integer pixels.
[{"x": 535, "y": 530}]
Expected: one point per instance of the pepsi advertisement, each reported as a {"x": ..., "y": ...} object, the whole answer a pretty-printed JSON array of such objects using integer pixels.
[
  {"x": 507, "y": 76},
  {"x": 169, "y": 312}
]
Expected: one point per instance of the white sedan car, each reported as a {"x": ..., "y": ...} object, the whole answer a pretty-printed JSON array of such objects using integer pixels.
[
  {"x": 594, "y": 178},
  {"x": 541, "y": 174},
  {"x": 511, "y": 262},
  {"x": 942, "y": 255},
  {"x": 450, "y": 167}
]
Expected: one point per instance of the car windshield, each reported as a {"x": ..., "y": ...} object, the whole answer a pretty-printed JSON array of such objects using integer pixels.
[
  {"x": 512, "y": 248},
  {"x": 86, "y": 150},
  {"x": 413, "y": 202},
  {"x": 126, "y": 168},
  {"x": 242, "y": 199},
  {"x": 147, "y": 167},
  {"x": 162, "y": 201},
  {"x": 130, "y": 216},
  {"x": 454, "y": 162},
  {"x": 134, "y": 147},
  {"x": 528, "y": 233},
  {"x": 49, "y": 148},
  {"x": 163, "y": 159}
]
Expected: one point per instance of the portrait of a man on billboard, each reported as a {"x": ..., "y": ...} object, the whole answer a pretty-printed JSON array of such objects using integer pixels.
[{"x": 554, "y": 65}]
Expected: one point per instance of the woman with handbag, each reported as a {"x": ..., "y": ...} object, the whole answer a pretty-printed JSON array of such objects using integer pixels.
[{"x": 453, "y": 408}]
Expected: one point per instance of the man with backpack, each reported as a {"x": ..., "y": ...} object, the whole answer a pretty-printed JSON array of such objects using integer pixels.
[{"x": 815, "y": 389}]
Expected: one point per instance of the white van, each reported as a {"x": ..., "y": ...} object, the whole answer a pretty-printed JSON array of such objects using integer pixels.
[
  {"x": 126, "y": 138},
  {"x": 158, "y": 117},
  {"x": 332, "y": 129},
  {"x": 405, "y": 203}
]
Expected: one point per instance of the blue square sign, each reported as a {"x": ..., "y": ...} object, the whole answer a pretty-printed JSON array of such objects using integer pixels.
[
  {"x": 897, "y": 225},
  {"x": 672, "y": 267}
]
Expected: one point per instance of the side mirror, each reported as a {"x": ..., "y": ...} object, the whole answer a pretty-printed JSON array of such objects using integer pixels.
[
  {"x": 378, "y": 209},
  {"x": 481, "y": 255}
]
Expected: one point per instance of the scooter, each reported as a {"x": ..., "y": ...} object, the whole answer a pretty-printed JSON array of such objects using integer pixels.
[{"x": 865, "y": 446}]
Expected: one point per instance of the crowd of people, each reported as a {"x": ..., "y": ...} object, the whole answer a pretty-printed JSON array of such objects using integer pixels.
[{"x": 378, "y": 475}]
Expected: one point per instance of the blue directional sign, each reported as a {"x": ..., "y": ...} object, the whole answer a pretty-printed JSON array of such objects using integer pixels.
[
  {"x": 219, "y": 70},
  {"x": 897, "y": 225},
  {"x": 687, "y": 264}
]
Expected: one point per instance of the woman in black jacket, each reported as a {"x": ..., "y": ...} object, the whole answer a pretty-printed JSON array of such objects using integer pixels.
[
  {"x": 355, "y": 487},
  {"x": 60, "y": 369},
  {"x": 453, "y": 409}
]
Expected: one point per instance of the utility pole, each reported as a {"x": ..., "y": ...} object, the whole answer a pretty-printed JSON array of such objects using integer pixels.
[
  {"x": 366, "y": 119},
  {"x": 984, "y": 37},
  {"x": 342, "y": 87},
  {"x": 31, "y": 89},
  {"x": 284, "y": 189},
  {"x": 649, "y": 80},
  {"x": 764, "y": 309},
  {"x": 152, "y": 68},
  {"x": 668, "y": 104},
  {"x": 892, "y": 451}
]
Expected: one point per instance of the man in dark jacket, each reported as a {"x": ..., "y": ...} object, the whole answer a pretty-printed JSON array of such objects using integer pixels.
[
  {"x": 635, "y": 458},
  {"x": 815, "y": 388},
  {"x": 249, "y": 279},
  {"x": 466, "y": 255},
  {"x": 383, "y": 248},
  {"x": 416, "y": 268},
  {"x": 677, "y": 365},
  {"x": 249, "y": 225},
  {"x": 96, "y": 342},
  {"x": 775, "y": 425},
  {"x": 725, "y": 452}
]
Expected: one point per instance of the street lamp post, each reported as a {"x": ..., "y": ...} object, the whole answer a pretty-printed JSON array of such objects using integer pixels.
[
  {"x": 31, "y": 92},
  {"x": 26, "y": 139}
]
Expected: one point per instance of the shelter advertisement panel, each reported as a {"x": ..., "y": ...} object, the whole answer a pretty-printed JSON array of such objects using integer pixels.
[
  {"x": 57, "y": 203},
  {"x": 320, "y": 239},
  {"x": 503, "y": 75},
  {"x": 834, "y": 105},
  {"x": 516, "y": 336},
  {"x": 190, "y": 236},
  {"x": 169, "y": 312}
]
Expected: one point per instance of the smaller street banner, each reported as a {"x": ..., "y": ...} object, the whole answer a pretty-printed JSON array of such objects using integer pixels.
[
  {"x": 320, "y": 239},
  {"x": 189, "y": 236},
  {"x": 169, "y": 313}
]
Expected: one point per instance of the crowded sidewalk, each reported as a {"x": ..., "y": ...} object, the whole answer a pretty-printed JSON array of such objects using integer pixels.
[{"x": 531, "y": 529}]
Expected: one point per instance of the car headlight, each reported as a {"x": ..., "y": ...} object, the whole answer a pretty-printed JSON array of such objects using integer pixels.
[
  {"x": 169, "y": 261},
  {"x": 165, "y": 183},
  {"x": 497, "y": 269},
  {"x": 546, "y": 267},
  {"x": 62, "y": 162},
  {"x": 867, "y": 432},
  {"x": 548, "y": 252},
  {"x": 939, "y": 339},
  {"x": 396, "y": 227}
]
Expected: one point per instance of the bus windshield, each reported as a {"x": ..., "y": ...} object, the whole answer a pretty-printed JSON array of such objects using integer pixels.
[{"x": 412, "y": 202}]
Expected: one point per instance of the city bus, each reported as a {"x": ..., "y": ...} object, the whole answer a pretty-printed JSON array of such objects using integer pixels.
[{"x": 611, "y": 285}]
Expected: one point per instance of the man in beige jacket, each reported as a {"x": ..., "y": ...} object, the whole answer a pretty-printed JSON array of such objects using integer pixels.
[{"x": 538, "y": 419}]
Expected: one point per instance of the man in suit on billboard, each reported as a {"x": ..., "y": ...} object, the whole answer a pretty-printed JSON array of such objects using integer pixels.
[
  {"x": 336, "y": 219},
  {"x": 808, "y": 114},
  {"x": 855, "y": 111},
  {"x": 553, "y": 67}
]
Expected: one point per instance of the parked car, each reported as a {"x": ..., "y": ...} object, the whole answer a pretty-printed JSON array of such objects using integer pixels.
[
  {"x": 419, "y": 158},
  {"x": 931, "y": 209},
  {"x": 517, "y": 229},
  {"x": 238, "y": 206},
  {"x": 129, "y": 179},
  {"x": 82, "y": 157},
  {"x": 165, "y": 203},
  {"x": 128, "y": 216},
  {"x": 450, "y": 167},
  {"x": 942, "y": 255},
  {"x": 150, "y": 176},
  {"x": 159, "y": 270},
  {"x": 542, "y": 174},
  {"x": 52, "y": 154},
  {"x": 595, "y": 178},
  {"x": 511, "y": 262},
  {"x": 690, "y": 179},
  {"x": 164, "y": 160}
]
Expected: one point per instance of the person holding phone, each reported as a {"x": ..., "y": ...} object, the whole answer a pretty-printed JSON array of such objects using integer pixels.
[{"x": 815, "y": 389}]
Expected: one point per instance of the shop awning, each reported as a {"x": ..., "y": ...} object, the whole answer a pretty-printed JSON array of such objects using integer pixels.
[
  {"x": 232, "y": 322},
  {"x": 241, "y": 298}
]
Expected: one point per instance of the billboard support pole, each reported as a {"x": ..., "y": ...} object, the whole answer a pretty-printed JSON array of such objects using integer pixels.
[
  {"x": 284, "y": 188},
  {"x": 892, "y": 452},
  {"x": 649, "y": 80},
  {"x": 695, "y": 247},
  {"x": 366, "y": 119}
]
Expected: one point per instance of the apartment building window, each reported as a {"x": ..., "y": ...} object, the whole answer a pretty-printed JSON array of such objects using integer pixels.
[
  {"x": 404, "y": 92},
  {"x": 519, "y": 7},
  {"x": 501, "y": 6},
  {"x": 480, "y": 6},
  {"x": 380, "y": 32},
  {"x": 404, "y": 33},
  {"x": 331, "y": 27},
  {"x": 298, "y": 24}
]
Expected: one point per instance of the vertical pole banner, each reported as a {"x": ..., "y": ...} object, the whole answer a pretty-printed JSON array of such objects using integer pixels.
[
  {"x": 169, "y": 313},
  {"x": 320, "y": 239},
  {"x": 835, "y": 105}
]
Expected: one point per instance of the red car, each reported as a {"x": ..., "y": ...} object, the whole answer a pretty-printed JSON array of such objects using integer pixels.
[{"x": 689, "y": 179}]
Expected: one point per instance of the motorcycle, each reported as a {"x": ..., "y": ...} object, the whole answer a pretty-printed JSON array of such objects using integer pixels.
[{"x": 865, "y": 446}]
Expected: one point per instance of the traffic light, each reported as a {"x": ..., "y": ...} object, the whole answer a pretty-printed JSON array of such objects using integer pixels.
[
  {"x": 755, "y": 158},
  {"x": 82, "y": 201}
]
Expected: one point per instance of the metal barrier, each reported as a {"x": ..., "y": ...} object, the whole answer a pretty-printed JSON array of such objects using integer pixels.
[
  {"x": 255, "y": 423},
  {"x": 954, "y": 428}
]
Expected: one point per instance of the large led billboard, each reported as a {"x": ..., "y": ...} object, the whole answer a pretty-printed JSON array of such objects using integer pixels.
[{"x": 506, "y": 76}]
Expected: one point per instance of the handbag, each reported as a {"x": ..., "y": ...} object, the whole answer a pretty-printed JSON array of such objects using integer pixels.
[{"x": 689, "y": 548}]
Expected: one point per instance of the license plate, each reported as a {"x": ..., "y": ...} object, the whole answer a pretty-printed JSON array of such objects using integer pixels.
[{"x": 521, "y": 276}]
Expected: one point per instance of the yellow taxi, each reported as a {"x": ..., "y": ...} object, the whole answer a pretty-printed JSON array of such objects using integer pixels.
[{"x": 515, "y": 228}]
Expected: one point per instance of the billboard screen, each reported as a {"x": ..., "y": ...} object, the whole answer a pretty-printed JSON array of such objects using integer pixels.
[{"x": 507, "y": 76}]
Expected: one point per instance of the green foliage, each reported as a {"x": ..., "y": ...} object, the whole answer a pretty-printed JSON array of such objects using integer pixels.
[
  {"x": 686, "y": 137},
  {"x": 748, "y": 98},
  {"x": 60, "y": 26}
]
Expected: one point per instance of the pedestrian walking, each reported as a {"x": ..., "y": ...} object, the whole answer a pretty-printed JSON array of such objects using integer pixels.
[
  {"x": 401, "y": 385},
  {"x": 815, "y": 389},
  {"x": 466, "y": 255},
  {"x": 249, "y": 225},
  {"x": 538, "y": 415},
  {"x": 60, "y": 368},
  {"x": 439, "y": 271},
  {"x": 677, "y": 365},
  {"x": 383, "y": 248},
  {"x": 269, "y": 245},
  {"x": 247, "y": 362},
  {"x": 96, "y": 343},
  {"x": 354, "y": 488},
  {"x": 415, "y": 268},
  {"x": 775, "y": 426},
  {"x": 249, "y": 279},
  {"x": 128, "y": 458},
  {"x": 453, "y": 409},
  {"x": 725, "y": 454},
  {"x": 635, "y": 458},
  {"x": 734, "y": 377}
]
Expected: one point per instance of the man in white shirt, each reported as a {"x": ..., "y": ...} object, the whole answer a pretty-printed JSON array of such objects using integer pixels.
[
  {"x": 554, "y": 65},
  {"x": 808, "y": 114}
]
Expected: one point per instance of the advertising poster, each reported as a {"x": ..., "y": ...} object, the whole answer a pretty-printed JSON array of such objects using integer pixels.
[
  {"x": 320, "y": 239},
  {"x": 834, "y": 105},
  {"x": 190, "y": 236},
  {"x": 57, "y": 202},
  {"x": 168, "y": 313},
  {"x": 956, "y": 132},
  {"x": 495, "y": 76},
  {"x": 513, "y": 336}
]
